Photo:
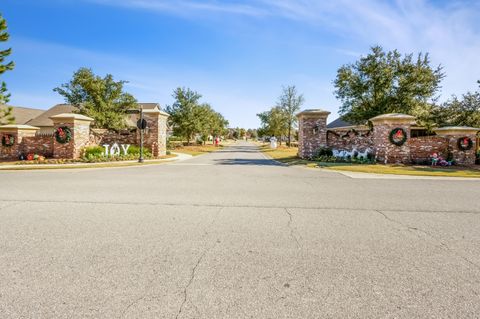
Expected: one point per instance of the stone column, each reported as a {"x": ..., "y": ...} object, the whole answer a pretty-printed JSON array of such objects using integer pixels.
[
  {"x": 312, "y": 132},
  {"x": 453, "y": 134},
  {"x": 79, "y": 126},
  {"x": 156, "y": 137},
  {"x": 18, "y": 132},
  {"x": 385, "y": 151}
]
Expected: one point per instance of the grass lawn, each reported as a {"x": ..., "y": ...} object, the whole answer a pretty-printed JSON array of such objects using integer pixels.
[
  {"x": 288, "y": 155},
  {"x": 283, "y": 154},
  {"x": 407, "y": 170},
  {"x": 81, "y": 165}
]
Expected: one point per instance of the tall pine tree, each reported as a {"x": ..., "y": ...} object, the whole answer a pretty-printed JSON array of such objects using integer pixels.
[{"x": 6, "y": 115}]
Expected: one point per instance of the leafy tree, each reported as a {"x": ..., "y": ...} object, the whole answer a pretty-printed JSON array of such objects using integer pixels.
[
  {"x": 385, "y": 82},
  {"x": 252, "y": 133},
  {"x": 211, "y": 123},
  {"x": 290, "y": 102},
  {"x": 464, "y": 111},
  {"x": 274, "y": 123},
  {"x": 102, "y": 99},
  {"x": 185, "y": 113},
  {"x": 6, "y": 115}
]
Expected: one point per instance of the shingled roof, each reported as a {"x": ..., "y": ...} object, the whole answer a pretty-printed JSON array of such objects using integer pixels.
[
  {"x": 338, "y": 123},
  {"x": 43, "y": 120},
  {"x": 23, "y": 114}
]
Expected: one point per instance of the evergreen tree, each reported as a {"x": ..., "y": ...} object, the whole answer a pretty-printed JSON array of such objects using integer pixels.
[{"x": 6, "y": 115}]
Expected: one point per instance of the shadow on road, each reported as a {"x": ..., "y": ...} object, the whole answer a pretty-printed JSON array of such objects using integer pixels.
[{"x": 244, "y": 161}]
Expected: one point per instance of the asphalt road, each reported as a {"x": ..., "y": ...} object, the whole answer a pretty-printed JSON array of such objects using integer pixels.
[{"x": 234, "y": 235}]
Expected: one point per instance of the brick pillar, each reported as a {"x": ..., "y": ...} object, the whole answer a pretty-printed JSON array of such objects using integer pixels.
[
  {"x": 453, "y": 134},
  {"x": 79, "y": 126},
  {"x": 385, "y": 151},
  {"x": 18, "y": 132},
  {"x": 312, "y": 132},
  {"x": 156, "y": 137}
]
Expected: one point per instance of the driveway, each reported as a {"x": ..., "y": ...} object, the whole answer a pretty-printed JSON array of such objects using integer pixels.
[{"x": 234, "y": 235}]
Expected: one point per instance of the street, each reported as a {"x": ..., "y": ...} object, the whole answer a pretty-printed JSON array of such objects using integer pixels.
[{"x": 233, "y": 234}]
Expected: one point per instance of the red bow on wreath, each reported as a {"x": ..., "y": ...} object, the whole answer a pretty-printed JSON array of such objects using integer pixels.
[
  {"x": 399, "y": 134},
  {"x": 465, "y": 141}
]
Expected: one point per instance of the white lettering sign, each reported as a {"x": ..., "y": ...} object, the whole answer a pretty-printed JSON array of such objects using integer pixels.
[{"x": 115, "y": 149}]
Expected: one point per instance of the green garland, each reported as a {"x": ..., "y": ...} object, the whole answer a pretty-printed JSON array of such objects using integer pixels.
[
  {"x": 63, "y": 135},
  {"x": 465, "y": 143},
  {"x": 398, "y": 136},
  {"x": 8, "y": 140}
]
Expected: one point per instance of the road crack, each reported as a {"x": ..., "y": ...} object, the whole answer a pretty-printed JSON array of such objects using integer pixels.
[
  {"x": 292, "y": 231},
  {"x": 197, "y": 264},
  {"x": 440, "y": 243}
]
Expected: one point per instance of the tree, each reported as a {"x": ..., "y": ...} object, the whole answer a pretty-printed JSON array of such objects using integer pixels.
[
  {"x": 185, "y": 112},
  {"x": 6, "y": 113},
  {"x": 463, "y": 111},
  {"x": 290, "y": 102},
  {"x": 100, "y": 98},
  {"x": 211, "y": 123},
  {"x": 385, "y": 82},
  {"x": 274, "y": 123}
]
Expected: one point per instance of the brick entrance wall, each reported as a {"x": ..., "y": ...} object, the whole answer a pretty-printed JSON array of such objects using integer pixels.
[
  {"x": 313, "y": 135},
  {"x": 312, "y": 132}
]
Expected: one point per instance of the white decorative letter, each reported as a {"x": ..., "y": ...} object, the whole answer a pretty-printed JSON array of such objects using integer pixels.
[
  {"x": 125, "y": 148},
  {"x": 106, "y": 149},
  {"x": 115, "y": 150}
]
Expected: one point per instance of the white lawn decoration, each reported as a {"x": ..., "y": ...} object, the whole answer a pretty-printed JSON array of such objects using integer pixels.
[
  {"x": 345, "y": 154},
  {"x": 115, "y": 149}
]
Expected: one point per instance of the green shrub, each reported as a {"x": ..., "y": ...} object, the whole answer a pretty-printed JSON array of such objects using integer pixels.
[
  {"x": 93, "y": 152},
  {"x": 324, "y": 151},
  {"x": 135, "y": 150},
  {"x": 175, "y": 139}
]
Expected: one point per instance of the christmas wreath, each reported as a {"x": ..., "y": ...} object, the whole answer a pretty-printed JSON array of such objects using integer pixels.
[
  {"x": 63, "y": 135},
  {"x": 398, "y": 136},
  {"x": 465, "y": 143},
  {"x": 8, "y": 140}
]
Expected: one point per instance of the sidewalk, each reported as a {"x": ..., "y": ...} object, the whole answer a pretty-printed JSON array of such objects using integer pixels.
[{"x": 179, "y": 157}]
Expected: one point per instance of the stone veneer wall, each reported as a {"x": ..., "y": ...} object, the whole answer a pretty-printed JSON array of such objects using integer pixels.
[
  {"x": 79, "y": 126},
  {"x": 348, "y": 140},
  {"x": 103, "y": 136},
  {"x": 422, "y": 148},
  {"x": 156, "y": 137}
]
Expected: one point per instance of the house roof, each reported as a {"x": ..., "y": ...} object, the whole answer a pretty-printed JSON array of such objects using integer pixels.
[
  {"x": 338, "y": 123},
  {"x": 23, "y": 114},
  {"x": 43, "y": 120}
]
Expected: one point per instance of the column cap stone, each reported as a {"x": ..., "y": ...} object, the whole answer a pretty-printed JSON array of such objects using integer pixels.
[
  {"x": 313, "y": 113},
  {"x": 155, "y": 111},
  {"x": 456, "y": 130},
  {"x": 16, "y": 127},
  {"x": 70, "y": 116},
  {"x": 393, "y": 118}
]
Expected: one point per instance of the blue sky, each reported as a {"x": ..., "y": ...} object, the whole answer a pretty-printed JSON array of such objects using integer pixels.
[{"x": 237, "y": 54}]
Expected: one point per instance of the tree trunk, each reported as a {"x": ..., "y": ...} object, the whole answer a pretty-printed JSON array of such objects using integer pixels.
[{"x": 290, "y": 135}]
